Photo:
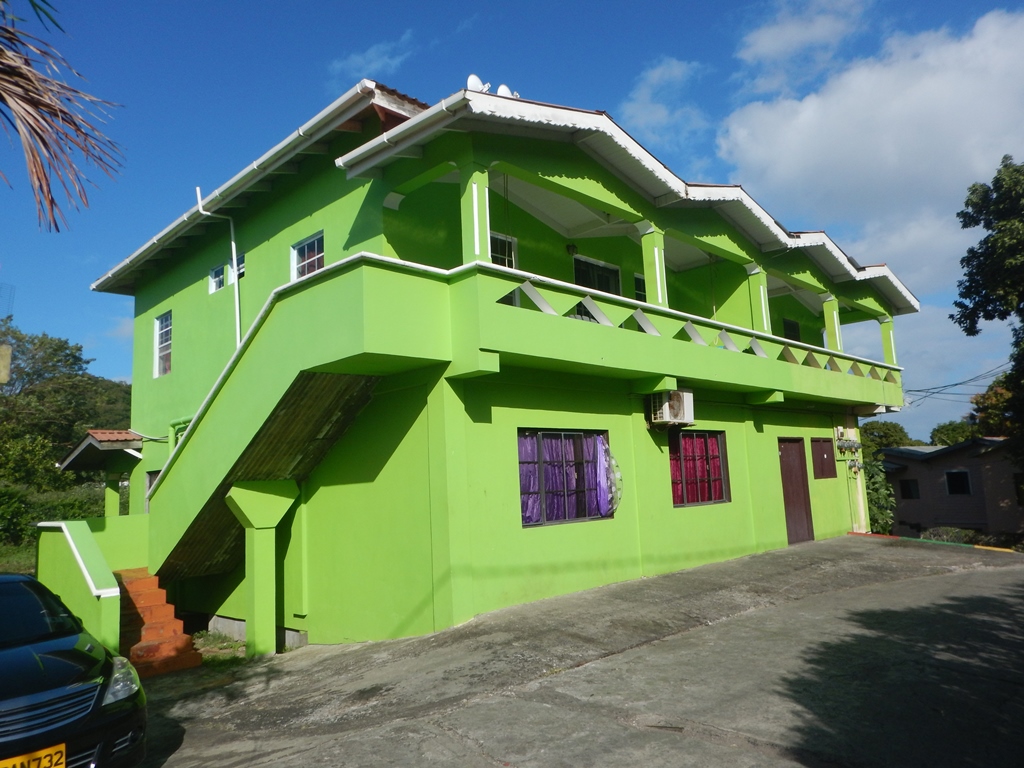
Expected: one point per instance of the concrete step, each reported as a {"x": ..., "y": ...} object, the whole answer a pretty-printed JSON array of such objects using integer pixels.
[
  {"x": 143, "y": 633},
  {"x": 151, "y": 637},
  {"x": 145, "y": 614}
]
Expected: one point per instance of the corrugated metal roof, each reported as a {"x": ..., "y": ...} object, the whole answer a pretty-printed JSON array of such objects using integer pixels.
[{"x": 313, "y": 414}]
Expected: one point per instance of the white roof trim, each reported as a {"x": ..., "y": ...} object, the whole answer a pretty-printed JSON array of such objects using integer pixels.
[{"x": 343, "y": 108}]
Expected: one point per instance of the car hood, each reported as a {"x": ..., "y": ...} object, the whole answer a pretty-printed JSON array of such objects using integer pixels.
[{"x": 43, "y": 666}]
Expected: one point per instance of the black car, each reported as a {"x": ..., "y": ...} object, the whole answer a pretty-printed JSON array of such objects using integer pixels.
[{"x": 65, "y": 700}]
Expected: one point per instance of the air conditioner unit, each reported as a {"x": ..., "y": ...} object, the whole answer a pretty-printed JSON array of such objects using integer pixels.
[{"x": 671, "y": 407}]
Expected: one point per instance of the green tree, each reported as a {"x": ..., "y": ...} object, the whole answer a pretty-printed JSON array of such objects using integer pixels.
[
  {"x": 992, "y": 287},
  {"x": 875, "y": 435},
  {"x": 48, "y": 404},
  {"x": 54, "y": 122},
  {"x": 953, "y": 432},
  {"x": 991, "y": 409}
]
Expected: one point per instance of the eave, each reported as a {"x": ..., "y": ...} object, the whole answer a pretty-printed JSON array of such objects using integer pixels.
[
  {"x": 254, "y": 177},
  {"x": 598, "y": 135}
]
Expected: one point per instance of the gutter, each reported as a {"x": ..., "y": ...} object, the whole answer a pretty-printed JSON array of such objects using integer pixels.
[{"x": 343, "y": 108}]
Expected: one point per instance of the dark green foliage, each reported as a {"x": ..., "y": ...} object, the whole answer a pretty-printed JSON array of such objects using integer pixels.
[
  {"x": 876, "y": 435},
  {"x": 953, "y": 432},
  {"x": 881, "y": 500},
  {"x": 20, "y": 510},
  {"x": 48, "y": 404},
  {"x": 993, "y": 284},
  {"x": 45, "y": 409}
]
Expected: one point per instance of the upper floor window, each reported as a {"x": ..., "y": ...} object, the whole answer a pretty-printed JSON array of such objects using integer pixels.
[
  {"x": 564, "y": 476},
  {"x": 503, "y": 250},
  {"x": 162, "y": 345},
  {"x": 698, "y": 466},
  {"x": 216, "y": 278},
  {"x": 639, "y": 287},
  {"x": 308, "y": 256},
  {"x": 790, "y": 329},
  {"x": 598, "y": 275},
  {"x": 240, "y": 259}
]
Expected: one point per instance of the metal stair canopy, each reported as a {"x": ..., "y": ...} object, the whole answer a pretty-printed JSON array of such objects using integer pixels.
[{"x": 311, "y": 416}]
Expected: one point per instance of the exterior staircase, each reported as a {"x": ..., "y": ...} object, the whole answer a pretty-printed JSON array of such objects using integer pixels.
[{"x": 151, "y": 638}]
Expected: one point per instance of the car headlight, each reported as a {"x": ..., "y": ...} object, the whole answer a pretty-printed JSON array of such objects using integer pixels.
[{"x": 124, "y": 681}]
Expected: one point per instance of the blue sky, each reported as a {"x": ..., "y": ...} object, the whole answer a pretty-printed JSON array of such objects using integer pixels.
[{"x": 866, "y": 119}]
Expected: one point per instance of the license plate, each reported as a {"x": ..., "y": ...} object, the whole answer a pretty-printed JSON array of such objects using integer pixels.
[{"x": 44, "y": 758}]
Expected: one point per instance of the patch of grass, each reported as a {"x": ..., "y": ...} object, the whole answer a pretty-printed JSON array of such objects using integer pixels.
[
  {"x": 219, "y": 650},
  {"x": 18, "y": 559}
]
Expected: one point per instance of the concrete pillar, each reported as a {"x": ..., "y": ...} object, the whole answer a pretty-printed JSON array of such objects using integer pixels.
[
  {"x": 112, "y": 495},
  {"x": 888, "y": 340},
  {"x": 259, "y": 507},
  {"x": 475, "y": 211},
  {"x": 757, "y": 288},
  {"x": 652, "y": 241},
  {"x": 833, "y": 332}
]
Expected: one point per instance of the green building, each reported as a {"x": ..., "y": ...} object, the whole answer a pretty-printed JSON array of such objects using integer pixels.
[{"x": 420, "y": 362}]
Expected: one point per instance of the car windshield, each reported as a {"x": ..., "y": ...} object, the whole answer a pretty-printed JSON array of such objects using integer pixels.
[{"x": 32, "y": 613}]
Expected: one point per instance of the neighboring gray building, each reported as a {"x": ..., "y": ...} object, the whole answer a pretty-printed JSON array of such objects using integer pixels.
[{"x": 972, "y": 484}]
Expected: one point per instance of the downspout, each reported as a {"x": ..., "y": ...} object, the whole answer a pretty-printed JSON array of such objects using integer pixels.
[{"x": 234, "y": 265}]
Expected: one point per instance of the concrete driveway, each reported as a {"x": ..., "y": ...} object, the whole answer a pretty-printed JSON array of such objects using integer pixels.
[{"x": 848, "y": 652}]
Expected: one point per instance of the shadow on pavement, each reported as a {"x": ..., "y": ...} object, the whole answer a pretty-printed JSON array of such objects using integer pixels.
[{"x": 935, "y": 686}]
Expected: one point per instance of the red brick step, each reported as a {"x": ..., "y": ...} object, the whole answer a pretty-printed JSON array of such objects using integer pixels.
[{"x": 151, "y": 637}]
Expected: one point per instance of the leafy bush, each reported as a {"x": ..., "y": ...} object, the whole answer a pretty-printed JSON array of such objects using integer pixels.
[
  {"x": 21, "y": 509},
  {"x": 881, "y": 499}
]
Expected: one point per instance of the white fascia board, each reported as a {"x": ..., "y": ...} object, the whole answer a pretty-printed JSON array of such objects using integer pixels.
[
  {"x": 887, "y": 280},
  {"x": 415, "y": 130},
  {"x": 344, "y": 107},
  {"x": 429, "y": 123}
]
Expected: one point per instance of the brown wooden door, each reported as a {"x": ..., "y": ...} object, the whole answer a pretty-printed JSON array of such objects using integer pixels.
[{"x": 796, "y": 496}]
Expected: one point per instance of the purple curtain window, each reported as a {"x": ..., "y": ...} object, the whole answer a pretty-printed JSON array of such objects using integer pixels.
[{"x": 564, "y": 476}]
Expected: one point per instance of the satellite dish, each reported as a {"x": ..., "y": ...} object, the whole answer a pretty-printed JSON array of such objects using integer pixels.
[
  {"x": 504, "y": 90},
  {"x": 474, "y": 83}
]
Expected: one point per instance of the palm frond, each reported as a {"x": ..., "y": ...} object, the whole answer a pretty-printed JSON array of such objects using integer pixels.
[{"x": 55, "y": 122}]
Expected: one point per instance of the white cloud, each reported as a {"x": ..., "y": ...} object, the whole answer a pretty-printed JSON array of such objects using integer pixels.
[
  {"x": 890, "y": 144},
  {"x": 380, "y": 59},
  {"x": 933, "y": 352},
  {"x": 124, "y": 328},
  {"x": 656, "y": 111},
  {"x": 799, "y": 42},
  {"x": 925, "y": 248}
]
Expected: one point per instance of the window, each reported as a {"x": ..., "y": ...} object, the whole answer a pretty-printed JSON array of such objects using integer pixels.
[
  {"x": 698, "y": 467},
  {"x": 958, "y": 482},
  {"x": 162, "y": 345},
  {"x": 564, "y": 476},
  {"x": 909, "y": 489},
  {"x": 216, "y": 278},
  {"x": 240, "y": 259},
  {"x": 596, "y": 275},
  {"x": 640, "y": 287},
  {"x": 823, "y": 457},
  {"x": 790, "y": 329},
  {"x": 308, "y": 256},
  {"x": 503, "y": 252}
]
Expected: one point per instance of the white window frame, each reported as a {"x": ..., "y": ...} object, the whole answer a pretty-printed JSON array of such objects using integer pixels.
[
  {"x": 240, "y": 258},
  {"x": 161, "y": 349},
  {"x": 637, "y": 276},
  {"x": 217, "y": 280},
  {"x": 515, "y": 248},
  {"x": 295, "y": 255}
]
